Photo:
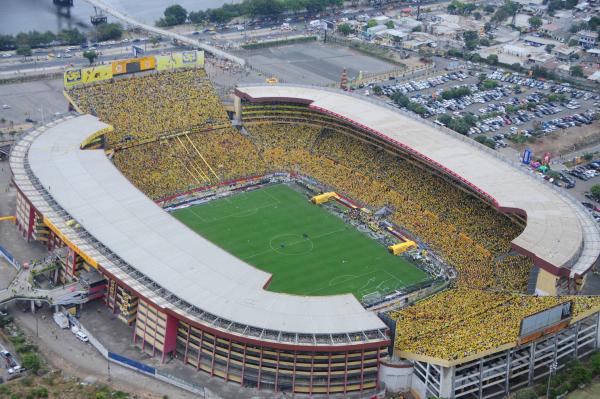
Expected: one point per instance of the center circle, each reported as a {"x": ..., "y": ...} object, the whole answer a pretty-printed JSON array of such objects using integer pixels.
[{"x": 291, "y": 244}]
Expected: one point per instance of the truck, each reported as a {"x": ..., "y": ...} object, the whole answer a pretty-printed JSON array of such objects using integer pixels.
[{"x": 61, "y": 319}]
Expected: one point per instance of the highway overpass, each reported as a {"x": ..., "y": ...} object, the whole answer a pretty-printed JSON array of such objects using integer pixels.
[{"x": 101, "y": 5}]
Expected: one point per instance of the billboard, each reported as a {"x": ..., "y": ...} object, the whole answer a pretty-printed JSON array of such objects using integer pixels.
[
  {"x": 133, "y": 65},
  {"x": 98, "y": 73},
  {"x": 180, "y": 60},
  {"x": 542, "y": 322}
]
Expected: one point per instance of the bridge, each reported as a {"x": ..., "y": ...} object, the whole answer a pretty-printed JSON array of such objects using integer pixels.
[
  {"x": 101, "y": 5},
  {"x": 21, "y": 289}
]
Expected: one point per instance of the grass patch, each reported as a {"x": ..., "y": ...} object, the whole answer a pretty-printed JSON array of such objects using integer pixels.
[{"x": 308, "y": 250}]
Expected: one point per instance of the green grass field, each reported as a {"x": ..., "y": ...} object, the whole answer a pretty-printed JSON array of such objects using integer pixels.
[{"x": 308, "y": 250}]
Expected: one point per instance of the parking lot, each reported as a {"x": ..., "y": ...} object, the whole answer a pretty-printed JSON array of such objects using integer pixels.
[
  {"x": 314, "y": 63},
  {"x": 502, "y": 106}
]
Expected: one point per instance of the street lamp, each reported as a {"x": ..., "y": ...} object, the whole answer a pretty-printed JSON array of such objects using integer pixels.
[{"x": 553, "y": 367}]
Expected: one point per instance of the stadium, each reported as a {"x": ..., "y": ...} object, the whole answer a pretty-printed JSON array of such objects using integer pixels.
[{"x": 304, "y": 239}]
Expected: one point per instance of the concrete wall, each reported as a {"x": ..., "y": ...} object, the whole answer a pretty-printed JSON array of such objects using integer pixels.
[{"x": 396, "y": 376}]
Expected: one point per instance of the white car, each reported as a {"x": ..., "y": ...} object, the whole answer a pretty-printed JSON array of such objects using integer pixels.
[
  {"x": 81, "y": 336},
  {"x": 6, "y": 106}
]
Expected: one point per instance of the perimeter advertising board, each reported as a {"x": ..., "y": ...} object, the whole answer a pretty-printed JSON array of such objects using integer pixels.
[
  {"x": 180, "y": 60},
  {"x": 98, "y": 73}
]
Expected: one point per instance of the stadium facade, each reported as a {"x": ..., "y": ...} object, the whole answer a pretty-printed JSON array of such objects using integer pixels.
[{"x": 189, "y": 299}]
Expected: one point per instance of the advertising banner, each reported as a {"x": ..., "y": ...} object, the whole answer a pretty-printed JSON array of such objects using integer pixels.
[{"x": 97, "y": 73}]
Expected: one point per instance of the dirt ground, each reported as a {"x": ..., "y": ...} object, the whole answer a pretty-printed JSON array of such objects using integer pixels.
[{"x": 566, "y": 141}]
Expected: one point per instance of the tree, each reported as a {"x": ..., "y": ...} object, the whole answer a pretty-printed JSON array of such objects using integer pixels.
[
  {"x": 526, "y": 393},
  {"x": 595, "y": 359},
  {"x": 488, "y": 9},
  {"x": 577, "y": 71},
  {"x": 489, "y": 84},
  {"x": 471, "y": 39},
  {"x": 477, "y": 15},
  {"x": 573, "y": 43},
  {"x": 580, "y": 374},
  {"x": 484, "y": 41},
  {"x": 25, "y": 51},
  {"x": 154, "y": 40},
  {"x": 535, "y": 22},
  {"x": 108, "y": 32},
  {"x": 487, "y": 27},
  {"x": 173, "y": 15},
  {"x": 549, "y": 48},
  {"x": 377, "y": 90},
  {"x": 71, "y": 36},
  {"x": 32, "y": 362},
  {"x": 390, "y": 24},
  {"x": 267, "y": 8},
  {"x": 91, "y": 56},
  {"x": 595, "y": 191},
  {"x": 445, "y": 119},
  {"x": 488, "y": 142},
  {"x": 197, "y": 17},
  {"x": 400, "y": 99},
  {"x": 344, "y": 29},
  {"x": 492, "y": 59},
  {"x": 7, "y": 42},
  {"x": 371, "y": 23}
]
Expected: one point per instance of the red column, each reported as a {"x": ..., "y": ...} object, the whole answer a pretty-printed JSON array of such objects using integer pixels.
[
  {"x": 187, "y": 344},
  {"x": 31, "y": 221}
]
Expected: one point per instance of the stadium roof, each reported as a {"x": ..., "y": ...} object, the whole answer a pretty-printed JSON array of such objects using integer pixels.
[
  {"x": 560, "y": 235},
  {"x": 86, "y": 185}
]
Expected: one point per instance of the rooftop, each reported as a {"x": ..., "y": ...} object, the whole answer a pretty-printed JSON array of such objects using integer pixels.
[{"x": 160, "y": 249}]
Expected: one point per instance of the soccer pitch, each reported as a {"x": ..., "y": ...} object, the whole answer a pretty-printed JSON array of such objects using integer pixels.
[{"x": 308, "y": 250}]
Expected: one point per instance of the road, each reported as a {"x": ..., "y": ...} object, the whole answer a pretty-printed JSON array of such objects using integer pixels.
[
  {"x": 81, "y": 359},
  {"x": 100, "y": 4}
]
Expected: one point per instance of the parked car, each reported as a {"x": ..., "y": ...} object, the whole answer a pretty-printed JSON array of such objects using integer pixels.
[{"x": 81, "y": 336}]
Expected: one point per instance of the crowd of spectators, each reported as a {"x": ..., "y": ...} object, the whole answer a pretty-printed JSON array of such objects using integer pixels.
[
  {"x": 179, "y": 164},
  {"x": 145, "y": 106},
  {"x": 462, "y": 322}
]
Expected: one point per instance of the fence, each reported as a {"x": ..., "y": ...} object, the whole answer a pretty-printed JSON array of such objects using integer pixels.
[
  {"x": 9, "y": 258},
  {"x": 141, "y": 367}
]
